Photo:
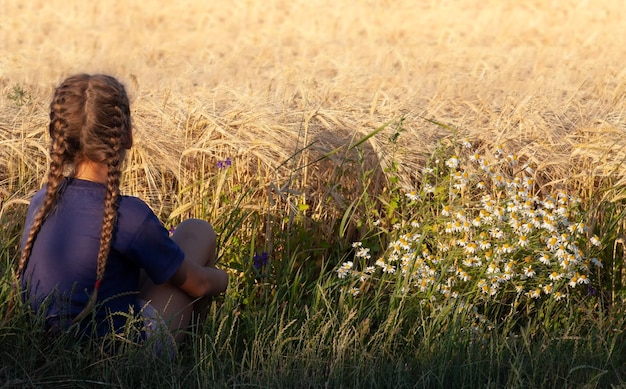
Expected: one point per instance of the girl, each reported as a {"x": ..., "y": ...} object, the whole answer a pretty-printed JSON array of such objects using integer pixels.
[{"x": 90, "y": 256}]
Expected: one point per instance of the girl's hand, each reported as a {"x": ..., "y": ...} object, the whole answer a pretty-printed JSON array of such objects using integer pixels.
[{"x": 199, "y": 281}]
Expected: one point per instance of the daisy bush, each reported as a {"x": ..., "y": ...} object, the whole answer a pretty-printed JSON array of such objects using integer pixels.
[{"x": 479, "y": 231}]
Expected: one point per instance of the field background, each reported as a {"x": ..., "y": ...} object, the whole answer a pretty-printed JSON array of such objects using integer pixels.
[{"x": 256, "y": 80}]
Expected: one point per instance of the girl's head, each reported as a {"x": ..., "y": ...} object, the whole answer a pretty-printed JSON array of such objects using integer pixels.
[{"x": 89, "y": 120}]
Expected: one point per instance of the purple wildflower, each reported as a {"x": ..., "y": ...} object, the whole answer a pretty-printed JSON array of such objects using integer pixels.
[
  {"x": 591, "y": 290},
  {"x": 224, "y": 164},
  {"x": 259, "y": 260}
]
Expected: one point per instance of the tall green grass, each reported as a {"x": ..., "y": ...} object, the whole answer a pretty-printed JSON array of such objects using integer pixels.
[{"x": 292, "y": 322}]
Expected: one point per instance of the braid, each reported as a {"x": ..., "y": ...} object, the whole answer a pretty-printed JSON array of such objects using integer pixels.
[
  {"x": 58, "y": 160},
  {"x": 55, "y": 177},
  {"x": 108, "y": 224},
  {"x": 110, "y": 216}
]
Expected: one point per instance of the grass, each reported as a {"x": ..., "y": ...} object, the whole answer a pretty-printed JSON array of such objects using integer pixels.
[
  {"x": 301, "y": 345},
  {"x": 291, "y": 322},
  {"x": 328, "y": 121}
]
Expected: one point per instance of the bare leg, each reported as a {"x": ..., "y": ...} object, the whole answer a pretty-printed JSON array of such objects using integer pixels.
[{"x": 198, "y": 241}]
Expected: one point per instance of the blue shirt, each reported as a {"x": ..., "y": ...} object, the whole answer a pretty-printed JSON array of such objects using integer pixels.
[{"x": 61, "y": 271}]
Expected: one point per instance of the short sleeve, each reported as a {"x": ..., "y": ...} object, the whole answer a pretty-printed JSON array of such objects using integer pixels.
[{"x": 154, "y": 250}]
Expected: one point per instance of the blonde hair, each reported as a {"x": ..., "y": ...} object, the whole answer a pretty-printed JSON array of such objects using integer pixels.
[{"x": 89, "y": 120}]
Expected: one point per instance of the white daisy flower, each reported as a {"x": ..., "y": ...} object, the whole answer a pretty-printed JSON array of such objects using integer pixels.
[
  {"x": 583, "y": 279},
  {"x": 573, "y": 282},
  {"x": 595, "y": 241},
  {"x": 412, "y": 195},
  {"x": 389, "y": 269},
  {"x": 363, "y": 252},
  {"x": 554, "y": 276},
  {"x": 545, "y": 259},
  {"x": 523, "y": 241},
  {"x": 344, "y": 270},
  {"x": 529, "y": 272},
  {"x": 452, "y": 162},
  {"x": 535, "y": 293}
]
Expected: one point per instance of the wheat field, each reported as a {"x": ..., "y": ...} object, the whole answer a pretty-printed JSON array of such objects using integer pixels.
[
  {"x": 257, "y": 81},
  {"x": 326, "y": 112}
]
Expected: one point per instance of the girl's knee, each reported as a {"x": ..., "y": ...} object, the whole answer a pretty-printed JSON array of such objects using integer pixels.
[
  {"x": 197, "y": 239},
  {"x": 195, "y": 228}
]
